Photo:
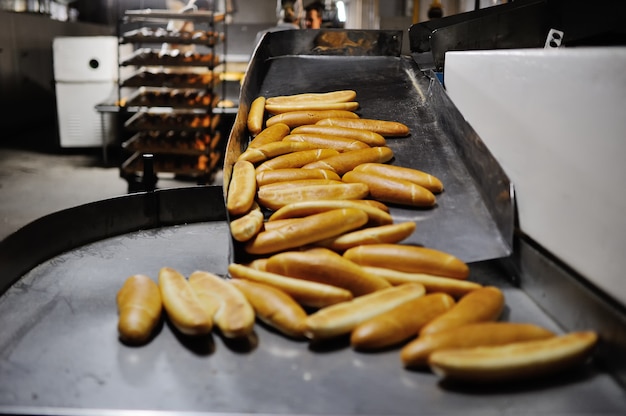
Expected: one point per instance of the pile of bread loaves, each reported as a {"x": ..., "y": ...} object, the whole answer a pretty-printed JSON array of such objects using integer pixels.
[{"x": 307, "y": 201}]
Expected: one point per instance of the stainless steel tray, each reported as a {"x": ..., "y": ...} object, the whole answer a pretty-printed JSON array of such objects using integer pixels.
[
  {"x": 59, "y": 352},
  {"x": 474, "y": 215}
]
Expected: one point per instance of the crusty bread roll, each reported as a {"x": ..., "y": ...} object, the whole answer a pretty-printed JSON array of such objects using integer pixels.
[
  {"x": 267, "y": 151},
  {"x": 388, "y": 233},
  {"x": 325, "y": 266},
  {"x": 480, "y": 305},
  {"x": 293, "y": 174},
  {"x": 311, "y": 229},
  {"x": 242, "y": 188},
  {"x": 410, "y": 259},
  {"x": 182, "y": 304},
  {"x": 273, "y": 225},
  {"x": 247, "y": 226},
  {"x": 274, "y": 307},
  {"x": 325, "y": 141},
  {"x": 383, "y": 127},
  {"x": 376, "y": 215},
  {"x": 366, "y": 136},
  {"x": 256, "y": 115},
  {"x": 311, "y": 105},
  {"x": 346, "y": 161},
  {"x": 234, "y": 315},
  {"x": 400, "y": 323},
  {"x": 305, "y": 292},
  {"x": 416, "y": 352},
  {"x": 298, "y": 183},
  {"x": 453, "y": 287},
  {"x": 337, "y": 96},
  {"x": 257, "y": 264},
  {"x": 270, "y": 134},
  {"x": 295, "y": 159},
  {"x": 342, "y": 318},
  {"x": 139, "y": 309},
  {"x": 514, "y": 361},
  {"x": 298, "y": 118},
  {"x": 428, "y": 181},
  {"x": 392, "y": 189},
  {"x": 277, "y": 197}
]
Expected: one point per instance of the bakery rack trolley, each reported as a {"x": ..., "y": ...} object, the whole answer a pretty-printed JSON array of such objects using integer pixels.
[{"x": 169, "y": 77}]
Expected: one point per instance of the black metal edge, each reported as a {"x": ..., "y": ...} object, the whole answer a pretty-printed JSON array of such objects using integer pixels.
[
  {"x": 570, "y": 300},
  {"x": 494, "y": 184},
  {"x": 518, "y": 24},
  {"x": 357, "y": 42},
  {"x": 70, "y": 228}
]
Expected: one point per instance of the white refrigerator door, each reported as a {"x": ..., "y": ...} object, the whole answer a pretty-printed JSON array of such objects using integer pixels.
[{"x": 85, "y": 58}]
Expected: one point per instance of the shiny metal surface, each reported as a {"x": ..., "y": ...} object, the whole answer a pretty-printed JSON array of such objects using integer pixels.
[
  {"x": 70, "y": 228},
  {"x": 474, "y": 215},
  {"x": 59, "y": 352}
]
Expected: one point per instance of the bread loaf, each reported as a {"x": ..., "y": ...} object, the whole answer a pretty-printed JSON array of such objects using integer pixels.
[
  {"x": 139, "y": 309},
  {"x": 342, "y": 318},
  {"x": 409, "y": 258}
]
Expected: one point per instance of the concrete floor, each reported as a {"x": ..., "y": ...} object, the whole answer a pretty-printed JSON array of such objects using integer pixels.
[{"x": 38, "y": 178}]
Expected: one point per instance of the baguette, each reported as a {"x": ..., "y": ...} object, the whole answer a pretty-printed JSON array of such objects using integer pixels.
[
  {"x": 311, "y": 229},
  {"x": 182, "y": 304},
  {"x": 258, "y": 263},
  {"x": 428, "y": 181},
  {"x": 480, "y": 305},
  {"x": 298, "y": 118},
  {"x": 298, "y": 183},
  {"x": 247, "y": 226},
  {"x": 456, "y": 288},
  {"x": 242, "y": 188},
  {"x": 346, "y": 161},
  {"x": 320, "y": 97},
  {"x": 306, "y": 293},
  {"x": 311, "y": 105},
  {"x": 388, "y": 233},
  {"x": 325, "y": 266},
  {"x": 374, "y": 203},
  {"x": 400, "y": 323},
  {"x": 392, "y": 189},
  {"x": 342, "y": 318},
  {"x": 267, "y": 151},
  {"x": 416, "y": 352},
  {"x": 139, "y": 309},
  {"x": 516, "y": 361},
  {"x": 295, "y": 159},
  {"x": 256, "y": 115},
  {"x": 305, "y": 208},
  {"x": 270, "y": 134},
  {"x": 274, "y": 199},
  {"x": 293, "y": 174},
  {"x": 383, "y": 127},
  {"x": 326, "y": 141},
  {"x": 365, "y": 136},
  {"x": 234, "y": 316},
  {"x": 274, "y": 307},
  {"x": 272, "y": 225},
  {"x": 410, "y": 259}
]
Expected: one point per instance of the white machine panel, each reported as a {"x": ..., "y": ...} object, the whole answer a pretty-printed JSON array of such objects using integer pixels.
[
  {"x": 80, "y": 124},
  {"x": 86, "y": 74},
  {"x": 85, "y": 58},
  {"x": 555, "y": 119}
]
